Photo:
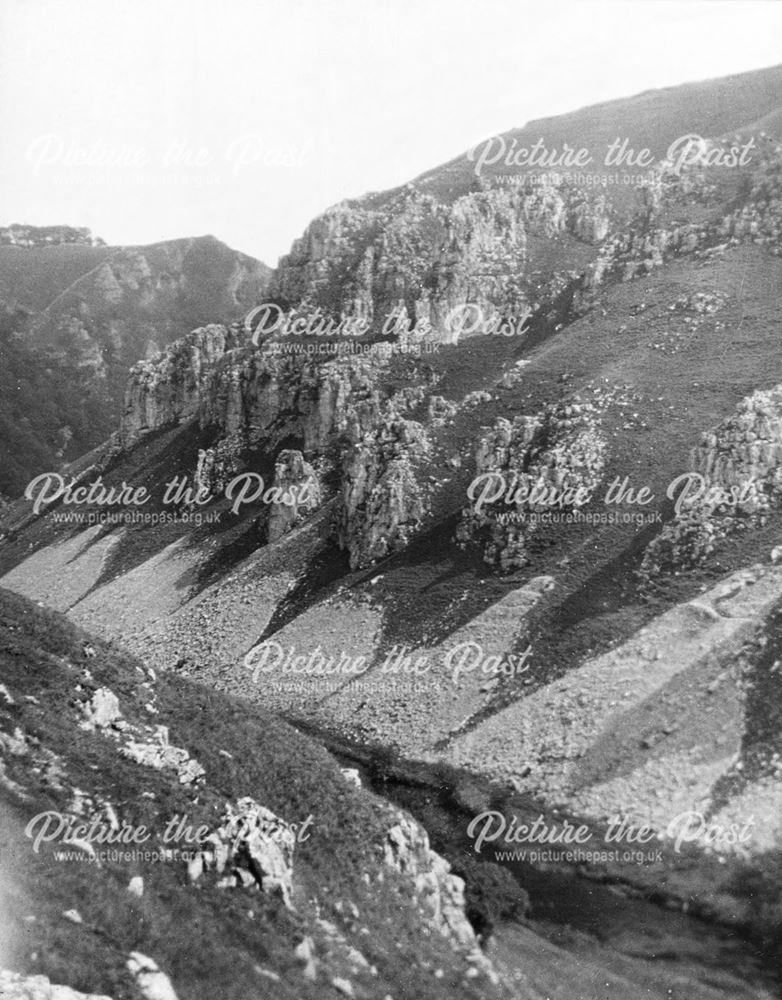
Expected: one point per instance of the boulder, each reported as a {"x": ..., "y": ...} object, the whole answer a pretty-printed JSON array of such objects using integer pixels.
[
  {"x": 153, "y": 983},
  {"x": 253, "y": 847}
]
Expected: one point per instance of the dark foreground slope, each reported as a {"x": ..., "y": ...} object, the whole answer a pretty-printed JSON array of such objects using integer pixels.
[{"x": 368, "y": 930}]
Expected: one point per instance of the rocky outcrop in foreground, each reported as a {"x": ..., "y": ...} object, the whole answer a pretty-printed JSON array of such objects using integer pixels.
[
  {"x": 14, "y": 986},
  {"x": 439, "y": 893},
  {"x": 253, "y": 846}
]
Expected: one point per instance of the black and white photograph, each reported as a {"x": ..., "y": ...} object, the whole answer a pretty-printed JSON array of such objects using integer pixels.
[{"x": 390, "y": 500}]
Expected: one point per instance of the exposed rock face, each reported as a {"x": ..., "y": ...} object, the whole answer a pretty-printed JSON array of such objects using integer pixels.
[
  {"x": 217, "y": 466},
  {"x": 216, "y": 377},
  {"x": 153, "y": 983},
  {"x": 739, "y": 479},
  {"x": 14, "y": 986},
  {"x": 382, "y": 503},
  {"x": 440, "y": 894},
  {"x": 416, "y": 259},
  {"x": 550, "y": 461},
  {"x": 159, "y": 754},
  {"x": 647, "y": 244},
  {"x": 254, "y": 847},
  {"x": 425, "y": 258},
  {"x": 170, "y": 389},
  {"x": 249, "y": 396},
  {"x": 298, "y": 483},
  {"x": 759, "y": 220},
  {"x": 146, "y": 745},
  {"x": 102, "y": 709}
]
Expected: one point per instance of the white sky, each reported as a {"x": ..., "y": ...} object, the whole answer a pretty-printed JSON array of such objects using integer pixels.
[{"x": 152, "y": 119}]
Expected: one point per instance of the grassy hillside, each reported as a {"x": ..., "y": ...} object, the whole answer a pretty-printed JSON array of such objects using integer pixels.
[
  {"x": 210, "y": 941},
  {"x": 738, "y": 104},
  {"x": 74, "y": 318},
  {"x": 32, "y": 277}
]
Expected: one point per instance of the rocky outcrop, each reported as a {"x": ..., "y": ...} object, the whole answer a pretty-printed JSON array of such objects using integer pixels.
[
  {"x": 551, "y": 461},
  {"x": 217, "y": 379},
  {"x": 14, "y": 986},
  {"x": 382, "y": 500},
  {"x": 647, "y": 244},
  {"x": 759, "y": 220},
  {"x": 298, "y": 483},
  {"x": 439, "y": 894},
  {"x": 329, "y": 393},
  {"x": 161, "y": 755},
  {"x": 171, "y": 389},
  {"x": 217, "y": 466},
  {"x": 147, "y": 745},
  {"x": 736, "y": 480},
  {"x": 252, "y": 397},
  {"x": 635, "y": 253},
  {"x": 101, "y": 710},
  {"x": 419, "y": 258},
  {"x": 153, "y": 983},
  {"x": 251, "y": 847}
]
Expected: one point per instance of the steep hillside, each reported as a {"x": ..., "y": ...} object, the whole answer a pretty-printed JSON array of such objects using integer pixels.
[
  {"x": 746, "y": 104},
  {"x": 116, "y": 785},
  {"x": 508, "y": 225},
  {"x": 75, "y": 316}
]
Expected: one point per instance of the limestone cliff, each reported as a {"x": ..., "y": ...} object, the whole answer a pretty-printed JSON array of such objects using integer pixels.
[
  {"x": 381, "y": 501},
  {"x": 551, "y": 461},
  {"x": 248, "y": 397},
  {"x": 427, "y": 257},
  {"x": 170, "y": 389},
  {"x": 415, "y": 259},
  {"x": 736, "y": 480}
]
